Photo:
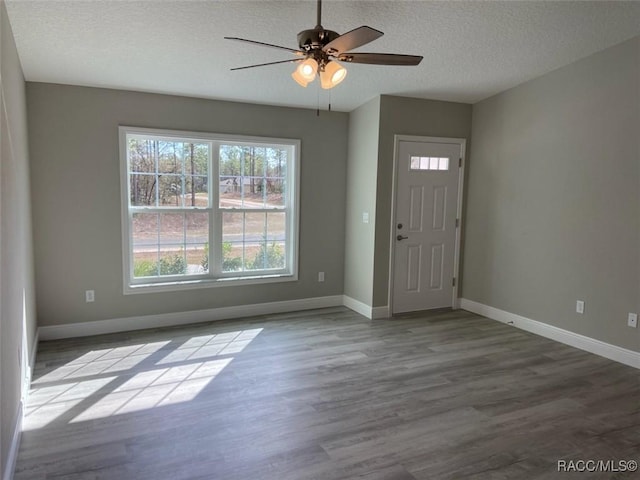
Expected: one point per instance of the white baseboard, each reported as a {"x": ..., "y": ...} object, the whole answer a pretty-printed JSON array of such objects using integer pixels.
[
  {"x": 380, "y": 312},
  {"x": 612, "y": 352},
  {"x": 34, "y": 349},
  {"x": 357, "y": 306},
  {"x": 364, "y": 309},
  {"x": 32, "y": 364},
  {"x": 115, "y": 325},
  {"x": 12, "y": 457}
]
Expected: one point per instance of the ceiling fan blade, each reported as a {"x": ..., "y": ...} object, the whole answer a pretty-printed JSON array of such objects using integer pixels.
[
  {"x": 270, "y": 63},
  {"x": 380, "y": 58},
  {"x": 353, "y": 39},
  {"x": 292, "y": 50}
]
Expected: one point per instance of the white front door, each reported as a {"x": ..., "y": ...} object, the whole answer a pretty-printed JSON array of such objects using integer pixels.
[{"x": 424, "y": 238}]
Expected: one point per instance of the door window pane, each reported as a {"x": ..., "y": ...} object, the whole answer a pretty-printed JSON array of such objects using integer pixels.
[{"x": 429, "y": 163}]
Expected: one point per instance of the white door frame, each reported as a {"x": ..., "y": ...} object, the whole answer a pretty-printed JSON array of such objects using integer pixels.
[{"x": 394, "y": 189}]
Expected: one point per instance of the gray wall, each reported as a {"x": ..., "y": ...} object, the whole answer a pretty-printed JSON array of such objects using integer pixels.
[
  {"x": 553, "y": 205},
  {"x": 76, "y": 197},
  {"x": 361, "y": 197},
  {"x": 17, "y": 314},
  {"x": 406, "y": 116}
]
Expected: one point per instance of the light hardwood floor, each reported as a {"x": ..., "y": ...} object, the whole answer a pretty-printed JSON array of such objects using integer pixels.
[{"x": 326, "y": 394}]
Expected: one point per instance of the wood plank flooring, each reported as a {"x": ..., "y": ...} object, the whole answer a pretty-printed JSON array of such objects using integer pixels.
[{"x": 326, "y": 394}]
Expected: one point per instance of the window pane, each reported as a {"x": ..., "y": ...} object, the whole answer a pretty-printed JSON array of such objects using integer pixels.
[
  {"x": 444, "y": 164},
  {"x": 171, "y": 229},
  {"x": 141, "y": 155},
  {"x": 142, "y": 189},
  {"x": 145, "y": 262},
  {"x": 196, "y": 227},
  {"x": 254, "y": 254},
  {"x": 253, "y": 192},
  {"x": 170, "y": 190},
  {"x": 275, "y": 255},
  {"x": 250, "y": 243},
  {"x": 415, "y": 163},
  {"x": 276, "y": 226},
  {"x": 168, "y": 173},
  {"x": 276, "y": 162},
  {"x": 172, "y": 260},
  {"x": 433, "y": 163},
  {"x": 254, "y": 161},
  {"x": 197, "y": 258},
  {"x": 232, "y": 241},
  {"x": 275, "y": 192},
  {"x": 170, "y": 157},
  {"x": 230, "y": 192},
  {"x": 230, "y": 160},
  {"x": 254, "y": 240},
  {"x": 196, "y": 159},
  {"x": 144, "y": 230},
  {"x": 254, "y": 227},
  {"x": 231, "y": 256},
  {"x": 145, "y": 244},
  {"x": 232, "y": 226},
  {"x": 196, "y": 191}
]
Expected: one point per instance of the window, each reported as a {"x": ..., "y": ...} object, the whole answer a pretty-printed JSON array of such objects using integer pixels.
[
  {"x": 429, "y": 163},
  {"x": 204, "y": 209}
]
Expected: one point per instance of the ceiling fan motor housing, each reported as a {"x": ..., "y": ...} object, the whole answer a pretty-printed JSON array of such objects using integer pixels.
[{"x": 315, "y": 39}]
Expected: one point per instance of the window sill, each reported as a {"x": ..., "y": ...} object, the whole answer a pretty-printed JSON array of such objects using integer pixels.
[{"x": 176, "y": 286}]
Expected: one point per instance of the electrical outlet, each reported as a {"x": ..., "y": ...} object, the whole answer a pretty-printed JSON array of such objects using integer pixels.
[
  {"x": 579, "y": 306},
  {"x": 321, "y": 276},
  {"x": 632, "y": 320},
  {"x": 90, "y": 296},
  {"x": 365, "y": 217}
]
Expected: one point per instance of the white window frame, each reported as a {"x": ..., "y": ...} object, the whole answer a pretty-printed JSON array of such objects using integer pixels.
[{"x": 213, "y": 278}]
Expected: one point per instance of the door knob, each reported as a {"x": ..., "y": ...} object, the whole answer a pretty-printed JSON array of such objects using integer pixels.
[{"x": 400, "y": 237}]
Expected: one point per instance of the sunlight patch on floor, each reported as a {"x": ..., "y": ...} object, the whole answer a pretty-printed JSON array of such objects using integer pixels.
[
  {"x": 155, "y": 388},
  {"x": 132, "y": 378},
  {"x": 48, "y": 403}
]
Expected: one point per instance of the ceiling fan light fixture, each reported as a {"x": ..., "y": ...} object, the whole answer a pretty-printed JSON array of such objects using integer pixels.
[
  {"x": 299, "y": 80},
  {"x": 332, "y": 75},
  {"x": 305, "y": 72}
]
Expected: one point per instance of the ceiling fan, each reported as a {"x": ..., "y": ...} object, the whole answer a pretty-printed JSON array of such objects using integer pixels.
[{"x": 320, "y": 50}]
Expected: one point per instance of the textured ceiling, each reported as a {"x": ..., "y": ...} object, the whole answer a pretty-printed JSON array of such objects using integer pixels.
[{"x": 471, "y": 50}]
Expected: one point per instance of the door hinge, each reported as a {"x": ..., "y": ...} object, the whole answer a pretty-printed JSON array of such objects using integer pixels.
[
  {"x": 454, "y": 281},
  {"x": 457, "y": 222},
  {"x": 460, "y": 162}
]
